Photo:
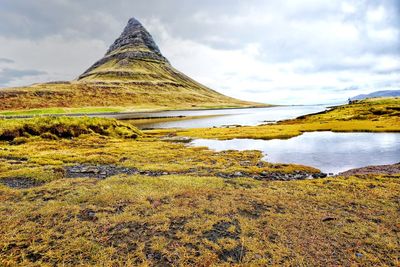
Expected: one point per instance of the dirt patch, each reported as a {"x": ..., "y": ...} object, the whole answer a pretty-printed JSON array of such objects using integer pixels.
[
  {"x": 222, "y": 230},
  {"x": 87, "y": 215},
  {"x": 275, "y": 176},
  {"x": 378, "y": 169},
  {"x": 125, "y": 237},
  {"x": 104, "y": 171},
  {"x": 97, "y": 171},
  {"x": 234, "y": 255},
  {"x": 227, "y": 229},
  {"x": 177, "y": 225},
  {"x": 256, "y": 210},
  {"x": 20, "y": 182}
]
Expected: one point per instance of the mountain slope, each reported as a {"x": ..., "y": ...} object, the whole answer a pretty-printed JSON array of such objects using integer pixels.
[
  {"x": 133, "y": 73},
  {"x": 385, "y": 93}
]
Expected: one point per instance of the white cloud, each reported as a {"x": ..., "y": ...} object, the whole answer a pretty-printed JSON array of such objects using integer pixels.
[
  {"x": 288, "y": 51},
  {"x": 61, "y": 58}
]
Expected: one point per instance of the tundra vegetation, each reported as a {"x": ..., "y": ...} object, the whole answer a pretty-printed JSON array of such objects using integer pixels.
[
  {"x": 371, "y": 115},
  {"x": 89, "y": 191}
]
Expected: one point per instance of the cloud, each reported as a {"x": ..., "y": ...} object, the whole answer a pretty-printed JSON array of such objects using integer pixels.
[
  {"x": 7, "y": 75},
  {"x": 6, "y": 60},
  {"x": 262, "y": 50}
]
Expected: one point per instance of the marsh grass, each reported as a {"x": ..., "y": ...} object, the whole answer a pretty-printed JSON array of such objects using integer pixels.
[
  {"x": 192, "y": 216},
  {"x": 63, "y": 127},
  {"x": 372, "y": 115},
  {"x": 186, "y": 220}
]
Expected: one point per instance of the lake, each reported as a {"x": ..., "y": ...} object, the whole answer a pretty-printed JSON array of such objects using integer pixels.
[
  {"x": 223, "y": 117},
  {"x": 328, "y": 151}
]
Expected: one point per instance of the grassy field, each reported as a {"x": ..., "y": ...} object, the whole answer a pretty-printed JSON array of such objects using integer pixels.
[
  {"x": 90, "y": 191},
  {"x": 372, "y": 115},
  {"x": 57, "y": 111},
  {"x": 185, "y": 220}
]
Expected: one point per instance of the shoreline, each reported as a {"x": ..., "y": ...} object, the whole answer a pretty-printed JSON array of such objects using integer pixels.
[{"x": 130, "y": 112}]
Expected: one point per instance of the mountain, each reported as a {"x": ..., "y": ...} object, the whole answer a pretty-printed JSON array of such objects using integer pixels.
[
  {"x": 386, "y": 93},
  {"x": 132, "y": 74},
  {"x": 133, "y": 55}
]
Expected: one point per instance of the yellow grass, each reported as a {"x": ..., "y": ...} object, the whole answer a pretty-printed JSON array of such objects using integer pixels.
[
  {"x": 375, "y": 115},
  {"x": 190, "y": 215}
]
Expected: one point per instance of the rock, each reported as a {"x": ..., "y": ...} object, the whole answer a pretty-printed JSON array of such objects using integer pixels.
[
  {"x": 178, "y": 139},
  {"x": 87, "y": 215},
  {"x": 319, "y": 175},
  {"x": 260, "y": 164},
  {"x": 20, "y": 182},
  {"x": 97, "y": 171},
  {"x": 135, "y": 34},
  {"x": 327, "y": 219}
]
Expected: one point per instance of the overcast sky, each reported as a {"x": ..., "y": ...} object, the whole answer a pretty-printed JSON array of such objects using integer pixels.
[{"x": 289, "y": 52}]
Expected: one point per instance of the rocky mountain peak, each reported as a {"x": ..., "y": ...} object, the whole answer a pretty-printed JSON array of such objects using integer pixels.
[
  {"x": 134, "y": 44},
  {"x": 134, "y": 36}
]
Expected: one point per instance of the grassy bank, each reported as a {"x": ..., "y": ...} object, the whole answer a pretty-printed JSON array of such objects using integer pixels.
[
  {"x": 107, "y": 142},
  {"x": 372, "y": 115},
  {"x": 63, "y": 127}
]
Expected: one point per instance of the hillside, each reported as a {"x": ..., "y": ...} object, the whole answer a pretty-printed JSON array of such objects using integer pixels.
[
  {"x": 132, "y": 74},
  {"x": 384, "y": 93}
]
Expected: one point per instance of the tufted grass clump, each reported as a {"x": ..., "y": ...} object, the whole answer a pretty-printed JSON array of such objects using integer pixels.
[{"x": 64, "y": 127}]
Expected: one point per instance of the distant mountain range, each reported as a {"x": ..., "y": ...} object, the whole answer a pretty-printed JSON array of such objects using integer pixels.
[{"x": 385, "y": 93}]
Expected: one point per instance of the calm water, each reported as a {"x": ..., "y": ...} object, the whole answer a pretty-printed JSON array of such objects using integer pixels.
[
  {"x": 330, "y": 152},
  {"x": 249, "y": 116}
]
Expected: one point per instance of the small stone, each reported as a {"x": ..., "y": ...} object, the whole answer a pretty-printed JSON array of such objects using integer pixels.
[
  {"x": 327, "y": 219},
  {"x": 319, "y": 175},
  {"x": 359, "y": 255}
]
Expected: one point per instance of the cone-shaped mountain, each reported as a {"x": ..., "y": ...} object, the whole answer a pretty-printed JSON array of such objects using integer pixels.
[
  {"x": 135, "y": 43},
  {"x": 133, "y": 73}
]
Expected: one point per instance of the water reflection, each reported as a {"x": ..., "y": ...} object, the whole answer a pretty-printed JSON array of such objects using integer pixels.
[{"x": 330, "y": 152}]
